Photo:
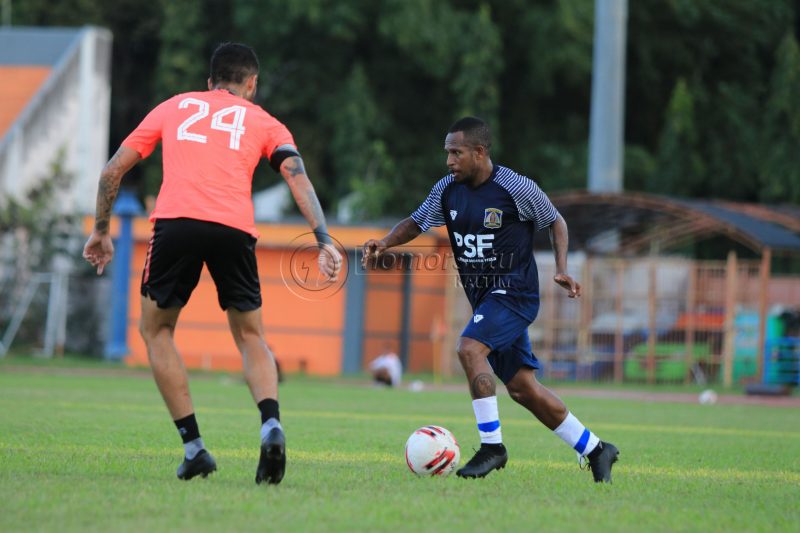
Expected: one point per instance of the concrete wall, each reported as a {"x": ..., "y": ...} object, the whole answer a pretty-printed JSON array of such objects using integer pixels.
[{"x": 66, "y": 120}]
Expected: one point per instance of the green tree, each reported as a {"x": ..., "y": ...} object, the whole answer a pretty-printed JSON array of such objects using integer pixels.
[
  {"x": 181, "y": 66},
  {"x": 545, "y": 89},
  {"x": 368, "y": 87},
  {"x": 780, "y": 168},
  {"x": 356, "y": 120},
  {"x": 724, "y": 47},
  {"x": 680, "y": 168}
]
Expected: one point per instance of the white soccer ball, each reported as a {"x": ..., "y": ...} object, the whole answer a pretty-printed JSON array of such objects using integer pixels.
[
  {"x": 707, "y": 397},
  {"x": 432, "y": 451}
]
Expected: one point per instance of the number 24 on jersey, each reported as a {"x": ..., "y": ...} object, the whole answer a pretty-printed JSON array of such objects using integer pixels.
[{"x": 234, "y": 126}]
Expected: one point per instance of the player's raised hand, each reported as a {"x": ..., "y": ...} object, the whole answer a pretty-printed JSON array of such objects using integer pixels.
[
  {"x": 573, "y": 287},
  {"x": 98, "y": 251},
  {"x": 373, "y": 248},
  {"x": 330, "y": 261}
]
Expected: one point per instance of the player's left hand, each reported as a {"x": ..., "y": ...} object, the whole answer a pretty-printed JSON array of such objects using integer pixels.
[
  {"x": 373, "y": 249},
  {"x": 99, "y": 250},
  {"x": 573, "y": 287},
  {"x": 330, "y": 261}
]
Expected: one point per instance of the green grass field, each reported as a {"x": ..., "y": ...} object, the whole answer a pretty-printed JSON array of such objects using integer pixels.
[{"x": 99, "y": 452}]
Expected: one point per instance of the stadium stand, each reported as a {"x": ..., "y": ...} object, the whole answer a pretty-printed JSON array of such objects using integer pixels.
[{"x": 54, "y": 108}]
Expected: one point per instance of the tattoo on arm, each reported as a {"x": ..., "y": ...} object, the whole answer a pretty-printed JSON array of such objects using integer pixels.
[
  {"x": 319, "y": 227},
  {"x": 295, "y": 167},
  {"x": 315, "y": 209},
  {"x": 483, "y": 386},
  {"x": 107, "y": 191},
  {"x": 294, "y": 172}
]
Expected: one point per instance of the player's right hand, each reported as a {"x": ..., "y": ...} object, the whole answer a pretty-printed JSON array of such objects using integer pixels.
[
  {"x": 330, "y": 261},
  {"x": 99, "y": 250},
  {"x": 373, "y": 248},
  {"x": 573, "y": 287}
]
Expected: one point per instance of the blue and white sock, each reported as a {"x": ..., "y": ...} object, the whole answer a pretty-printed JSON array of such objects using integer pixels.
[
  {"x": 193, "y": 447},
  {"x": 488, "y": 420},
  {"x": 577, "y": 436},
  {"x": 268, "y": 425}
]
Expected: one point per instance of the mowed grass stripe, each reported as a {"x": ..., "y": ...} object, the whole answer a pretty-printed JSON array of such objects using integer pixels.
[
  {"x": 339, "y": 457},
  {"x": 90, "y": 465},
  {"x": 415, "y": 418}
]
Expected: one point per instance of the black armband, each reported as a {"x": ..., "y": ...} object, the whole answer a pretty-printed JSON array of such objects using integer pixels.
[
  {"x": 279, "y": 156},
  {"x": 322, "y": 235}
]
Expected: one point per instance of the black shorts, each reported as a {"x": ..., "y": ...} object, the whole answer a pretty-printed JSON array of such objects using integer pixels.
[{"x": 175, "y": 258}]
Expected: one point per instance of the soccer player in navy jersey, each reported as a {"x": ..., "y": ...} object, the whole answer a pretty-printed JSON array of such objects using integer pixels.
[{"x": 491, "y": 214}]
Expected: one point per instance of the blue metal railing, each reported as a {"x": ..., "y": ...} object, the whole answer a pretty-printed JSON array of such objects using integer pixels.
[{"x": 782, "y": 361}]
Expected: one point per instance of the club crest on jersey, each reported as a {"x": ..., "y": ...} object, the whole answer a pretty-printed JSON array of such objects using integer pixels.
[
  {"x": 453, "y": 214},
  {"x": 492, "y": 218}
]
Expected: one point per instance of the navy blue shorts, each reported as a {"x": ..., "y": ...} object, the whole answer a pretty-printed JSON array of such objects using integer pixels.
[{"x": 506, "y": 334}]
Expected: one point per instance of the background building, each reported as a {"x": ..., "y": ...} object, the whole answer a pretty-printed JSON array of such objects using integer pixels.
[{"x": 56, "y": 98}]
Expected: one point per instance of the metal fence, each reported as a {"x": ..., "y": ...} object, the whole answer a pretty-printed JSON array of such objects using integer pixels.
[
  {"x": 654, "y": 320},
  {"x": 53, "y": 312}
]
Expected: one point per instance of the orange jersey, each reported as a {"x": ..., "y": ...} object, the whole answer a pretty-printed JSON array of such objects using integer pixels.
[{"x": 212, "y": 142}]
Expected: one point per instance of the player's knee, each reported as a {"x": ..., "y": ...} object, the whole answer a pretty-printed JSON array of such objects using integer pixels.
[
  {"x": 523, "y": 387},
  {"x": 245, "y": 327},
  {"x": 519, "y": 393},
  {"x": 245, "y": 333},
  {"x": 146, "y": 332},
  {"x": 464, "y": 355},
  {"x": 151, "y": 332},
  {"x": 469, "y": 350}
]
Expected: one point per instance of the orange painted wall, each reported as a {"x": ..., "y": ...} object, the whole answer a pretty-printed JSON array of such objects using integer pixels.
[
  {"x": 383, "y": 313},
  {"x": 306, "y": 335},
  {"x": 19, "y": 85}
]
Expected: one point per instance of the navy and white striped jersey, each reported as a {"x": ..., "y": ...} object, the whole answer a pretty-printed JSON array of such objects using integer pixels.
[{"x": 491, "y": 230}]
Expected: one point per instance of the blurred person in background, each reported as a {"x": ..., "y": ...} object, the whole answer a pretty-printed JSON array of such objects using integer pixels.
[{"x": 387, "y": 369}]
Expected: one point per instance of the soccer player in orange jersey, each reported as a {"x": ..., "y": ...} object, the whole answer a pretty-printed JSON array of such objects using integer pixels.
[{"x": 212, "y": 141}]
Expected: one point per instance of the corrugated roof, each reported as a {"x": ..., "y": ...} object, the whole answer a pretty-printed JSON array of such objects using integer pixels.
[
  {"x": 35, "y": 46},
  {"x": 634, "y": 221},
  {"x": 768, "y": 234}
]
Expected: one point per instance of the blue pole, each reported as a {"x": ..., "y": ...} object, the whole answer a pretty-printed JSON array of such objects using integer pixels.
[
  {"x": 126, "y": 207},
  {"x": 405, "y": 317},
  {"x": 354, "y": 306}
]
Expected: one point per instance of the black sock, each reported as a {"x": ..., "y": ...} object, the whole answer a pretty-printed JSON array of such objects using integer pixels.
[
  {"x": 269, "y": 409},
  {"x": 187, "y": 427}
]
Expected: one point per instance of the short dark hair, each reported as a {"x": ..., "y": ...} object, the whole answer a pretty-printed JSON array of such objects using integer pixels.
[
  {"x": 233, "y": 63},
  {"x": 476, "y": 131}
]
